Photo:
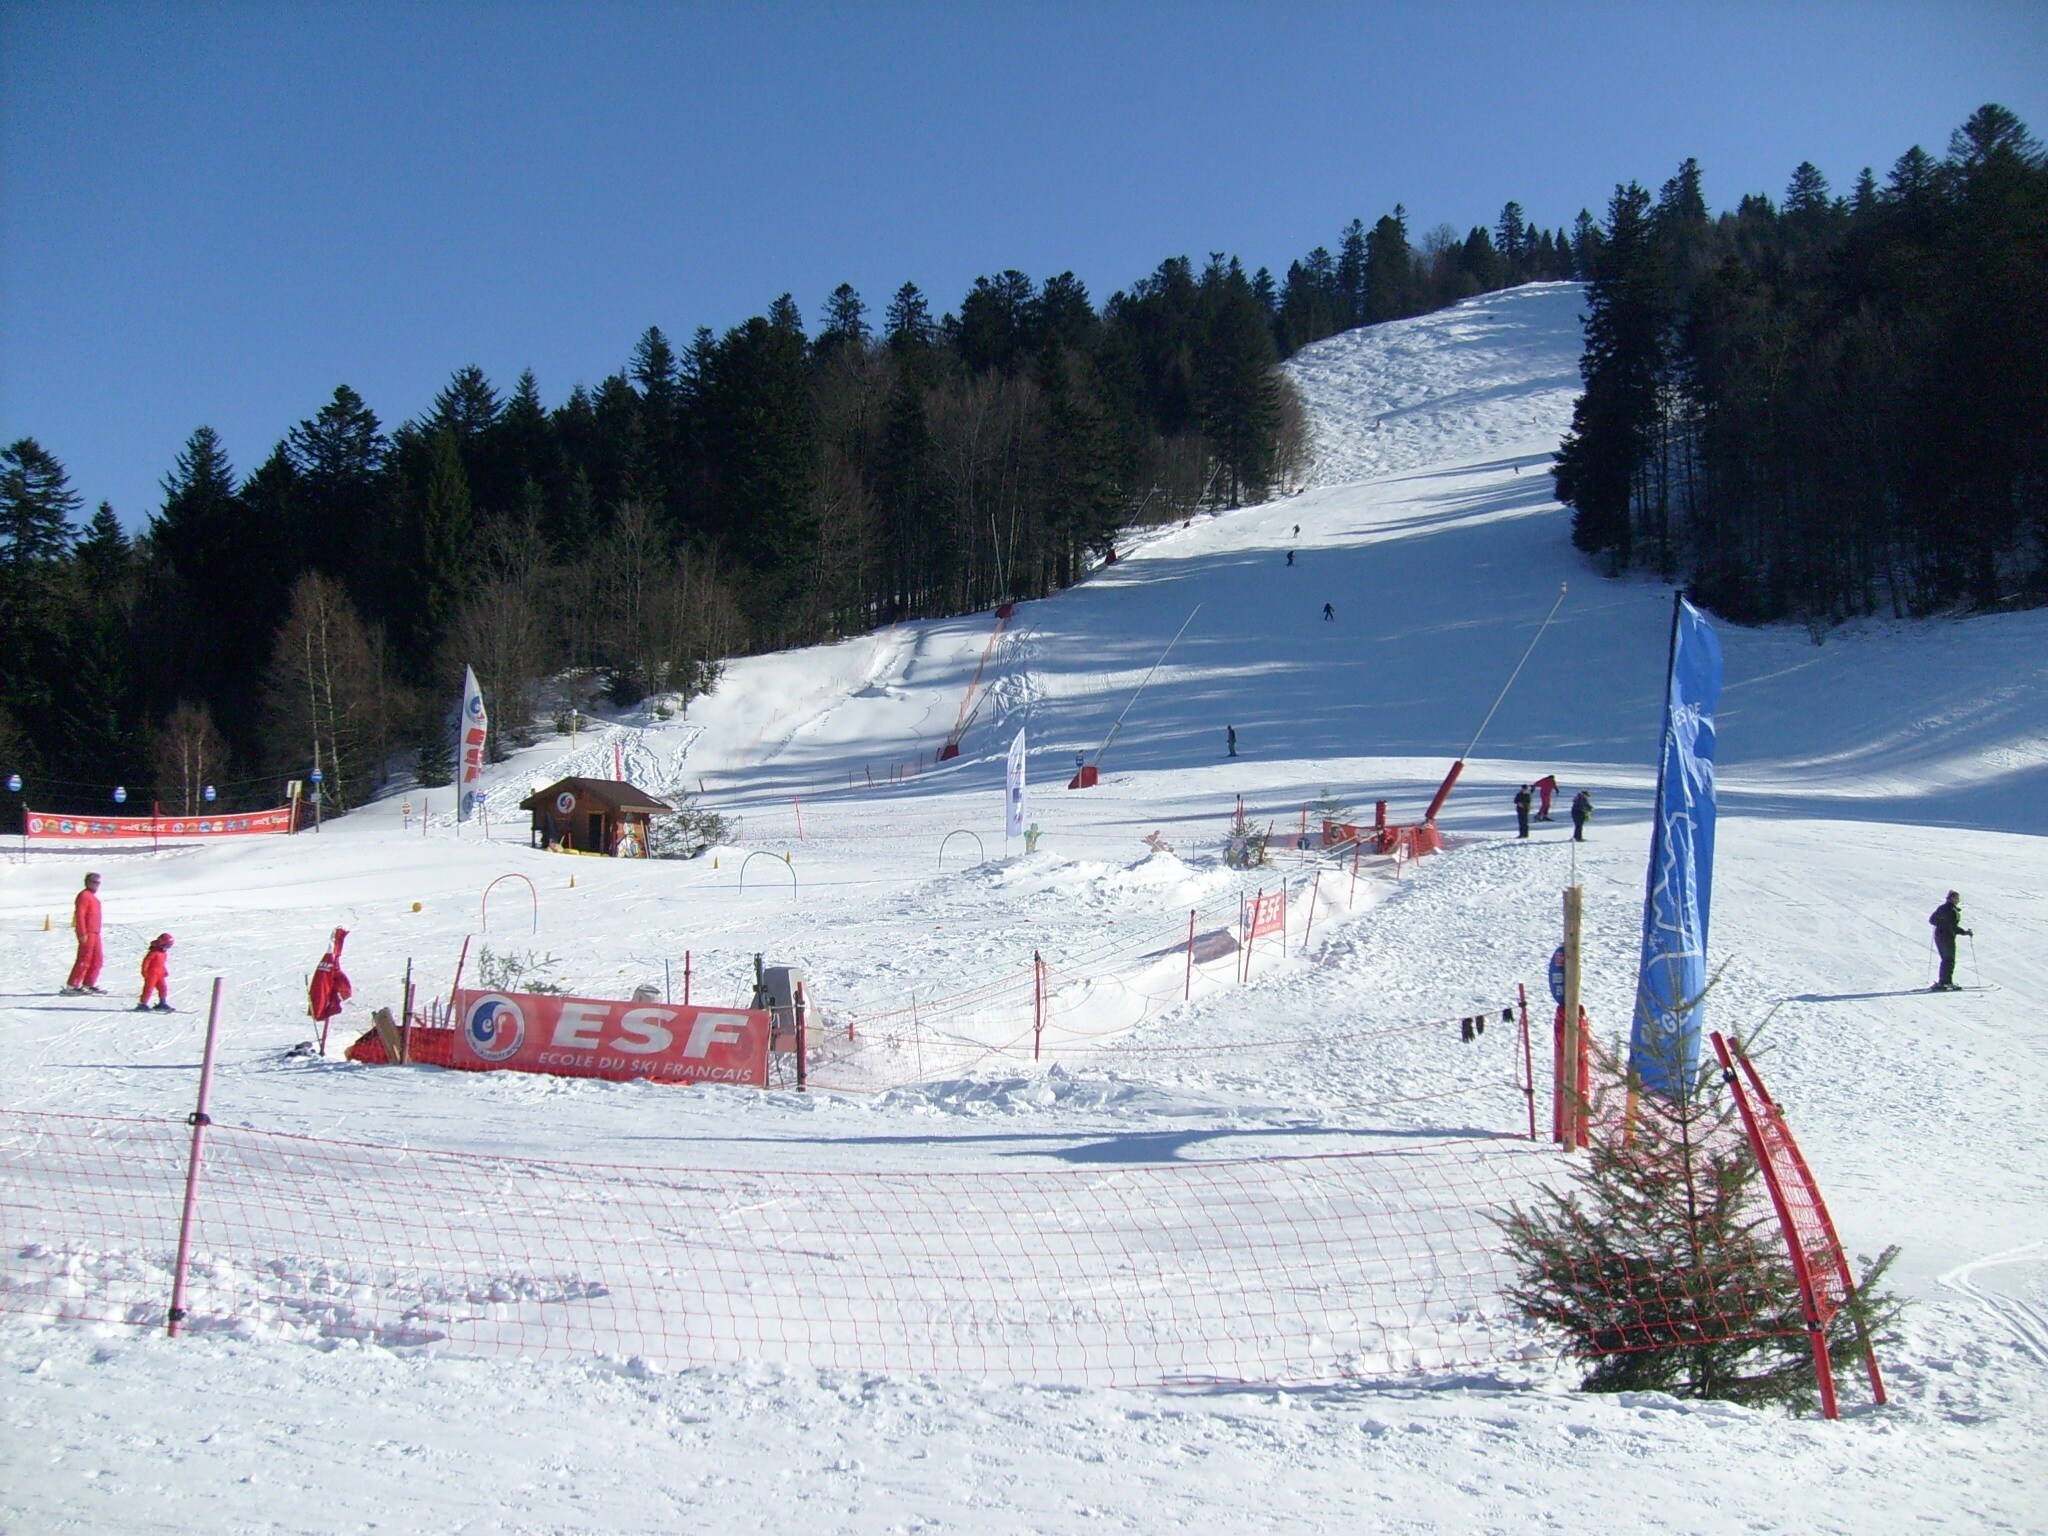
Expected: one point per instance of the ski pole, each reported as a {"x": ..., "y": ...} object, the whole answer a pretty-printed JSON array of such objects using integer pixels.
[{"x": 1976, "y": 976}]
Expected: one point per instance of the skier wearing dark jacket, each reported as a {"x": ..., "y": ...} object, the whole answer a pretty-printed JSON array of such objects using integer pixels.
[
  {"x": 1947, "y": 922},
  {"x": 1522, "y": 798},
  {"x": 1582, "y": 812}
]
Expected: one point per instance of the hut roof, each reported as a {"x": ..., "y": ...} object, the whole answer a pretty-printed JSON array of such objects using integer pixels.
[{"x": 597, "y": 794}]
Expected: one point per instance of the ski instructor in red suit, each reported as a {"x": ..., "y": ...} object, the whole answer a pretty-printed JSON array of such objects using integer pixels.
[{"x": 85, "y": 922}]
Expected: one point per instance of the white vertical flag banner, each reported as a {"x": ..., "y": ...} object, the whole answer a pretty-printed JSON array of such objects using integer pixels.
[
  {"x": 475, "y": 726},
  {"x": 1013, "y": 799}
]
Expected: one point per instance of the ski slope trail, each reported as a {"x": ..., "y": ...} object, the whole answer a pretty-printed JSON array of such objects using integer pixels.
[{"x": 1860, "y": 779}]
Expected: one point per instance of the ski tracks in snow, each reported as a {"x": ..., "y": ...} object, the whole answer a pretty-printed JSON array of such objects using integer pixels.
[{"x": 2028, "y": 1319}]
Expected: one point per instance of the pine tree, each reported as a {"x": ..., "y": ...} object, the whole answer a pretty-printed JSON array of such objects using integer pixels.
[
  {"x": 846, "y": 324},
  {"x": 340, "y": 455},
  {"x": 909, "y": 323},
  {"x": 1511, "y": 236},
  {"x": 1662, "y": 1266},
  {"x": 1235, "y": 386},
  {"x": 446, "y": 531},
  {"x": 37, "y": 504},
  {"x": 1351, "y": 274},
  {"x": 1626, "y": 335},
  {"x": 1389, "y": 268},
  {"x": 104, "y": 555}
]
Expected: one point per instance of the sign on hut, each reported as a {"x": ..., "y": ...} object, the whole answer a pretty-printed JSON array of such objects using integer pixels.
[{"x": 593, "y": 816}]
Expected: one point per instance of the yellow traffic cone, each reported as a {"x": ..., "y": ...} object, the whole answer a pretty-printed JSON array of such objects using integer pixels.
[{"x": 46, "y": 922}]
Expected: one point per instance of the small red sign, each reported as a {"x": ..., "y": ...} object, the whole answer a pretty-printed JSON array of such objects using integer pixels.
[
  {"x": 600, "y": 1037},
  {"x": 1269, "y": 913}
]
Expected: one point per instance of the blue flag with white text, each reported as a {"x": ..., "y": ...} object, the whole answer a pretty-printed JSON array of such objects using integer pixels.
[{"x": 1664, "y": 1044}]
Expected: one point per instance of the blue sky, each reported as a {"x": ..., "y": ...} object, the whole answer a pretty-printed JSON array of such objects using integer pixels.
[{"x": 217, "y": 213}]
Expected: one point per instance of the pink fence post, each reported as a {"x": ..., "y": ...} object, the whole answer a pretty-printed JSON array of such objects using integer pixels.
[
  {"x": 686, "y": 978},
  {"x": 793, "y": 800},
  {"x": 1187, "y": 986},
  {"x": 200, "y": 1121},
  {"x": 1357, "y": 847},
  {"x": 1309, "y": 922}
]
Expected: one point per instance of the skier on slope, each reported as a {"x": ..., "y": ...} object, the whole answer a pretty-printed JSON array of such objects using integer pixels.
[
  {"x": 1547, "y": 788},
  {"x": 1582, "y": 812},
  {"x": 156, "y": 975},
  {"x": 1947, "y": 922},
  {"x": 1522, "y": 812},
  {"x": 1329, "y": 613},
  {"x": 1230, "y": 739},
  {"x": 85, "y": 923}
]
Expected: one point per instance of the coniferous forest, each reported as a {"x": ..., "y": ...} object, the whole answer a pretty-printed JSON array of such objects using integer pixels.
[
  {"x": 1829, "y": 406},
  {"x": 768, "y": 487}
]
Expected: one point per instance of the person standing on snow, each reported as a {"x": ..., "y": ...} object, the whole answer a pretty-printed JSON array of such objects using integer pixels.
[
  {"x": 1947, "y": 921},
  {"x": 1230, "y": 739},
  {"x": 85, "y": 923},
  {"x": 1582, "y": 812},
  {"x": 1547, "y": 788},
  {"x": 156, "y": 975},
  {"x": 1329, "y": 614},
  {"x": 1522, "y": 812}
]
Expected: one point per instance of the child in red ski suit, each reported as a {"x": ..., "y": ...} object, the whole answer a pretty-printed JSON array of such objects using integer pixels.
[{"x": 156, "y": 975}]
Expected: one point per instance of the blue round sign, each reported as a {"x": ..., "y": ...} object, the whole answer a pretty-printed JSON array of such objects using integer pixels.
[
  {"x": 14, "y": 783},
  {"x": 1557, "y": 976},
  {"x": 120, "y": 794},
  {"x": 209, "y": 794}
]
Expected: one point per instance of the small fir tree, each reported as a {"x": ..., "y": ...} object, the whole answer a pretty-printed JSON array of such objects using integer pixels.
[{"x": 1663, "y": 1266}]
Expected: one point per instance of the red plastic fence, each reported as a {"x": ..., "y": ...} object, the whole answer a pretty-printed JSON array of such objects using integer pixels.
[{"x": 1817, "y": 1256}]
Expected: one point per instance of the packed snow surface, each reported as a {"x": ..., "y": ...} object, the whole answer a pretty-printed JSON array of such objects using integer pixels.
[{"x": 1860, "y": 778}]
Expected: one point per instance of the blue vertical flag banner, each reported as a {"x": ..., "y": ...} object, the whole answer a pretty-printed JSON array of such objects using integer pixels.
[
  {"x": 1013, "y": 798},
  {"x": 1664, "y": 1044}
]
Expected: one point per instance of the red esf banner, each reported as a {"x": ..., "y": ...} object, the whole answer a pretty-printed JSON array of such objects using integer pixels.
[
  {"x": 1268, "y": 913},
  {"x": 44, "y": 826},
  {"x": 595, "y": 1037}
]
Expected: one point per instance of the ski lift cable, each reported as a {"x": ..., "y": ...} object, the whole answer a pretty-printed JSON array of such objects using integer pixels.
[{"x": 1119, "y": 724}]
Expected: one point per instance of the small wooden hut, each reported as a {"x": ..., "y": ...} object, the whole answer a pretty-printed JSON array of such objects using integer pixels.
[{"x": 593, "y": 816}]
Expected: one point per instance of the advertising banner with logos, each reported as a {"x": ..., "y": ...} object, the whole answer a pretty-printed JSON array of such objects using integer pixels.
[
  {"x": 1269, "y": 913},
  {"x": 608, "y": 1038},
  {"x": 46, "y": 826}
]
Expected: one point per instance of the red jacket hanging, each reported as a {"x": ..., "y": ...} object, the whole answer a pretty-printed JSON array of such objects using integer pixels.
[{"x": 330, "y": 987}]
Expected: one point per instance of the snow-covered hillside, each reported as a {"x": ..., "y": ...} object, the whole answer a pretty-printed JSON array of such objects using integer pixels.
[{"x": 1861, "y": 779}]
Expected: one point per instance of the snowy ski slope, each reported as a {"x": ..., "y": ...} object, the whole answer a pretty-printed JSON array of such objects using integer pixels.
[{"x": 1861, "y": 779}]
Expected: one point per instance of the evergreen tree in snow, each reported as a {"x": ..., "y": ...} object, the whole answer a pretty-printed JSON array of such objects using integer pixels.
[{"x": 1662, "y": 1266}]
